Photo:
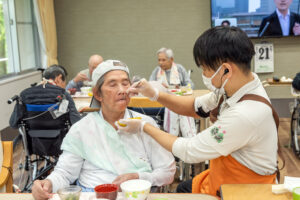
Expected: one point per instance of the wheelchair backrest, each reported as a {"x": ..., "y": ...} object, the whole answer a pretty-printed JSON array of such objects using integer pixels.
[
  {"x": 40, "y": 117},
  {"x": 37, "y": 100}
]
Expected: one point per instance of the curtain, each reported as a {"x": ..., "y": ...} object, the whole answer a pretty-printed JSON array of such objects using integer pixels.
[
  {"x": 47, "y": 30},
  {"x": 43, "y": 51}
]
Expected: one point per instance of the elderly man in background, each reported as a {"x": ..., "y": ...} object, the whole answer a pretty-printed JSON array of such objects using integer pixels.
[
  {"x": 95, "y": 153},
  {"x": 85, "y": 76},
  {"x": 169, "y": 73}
]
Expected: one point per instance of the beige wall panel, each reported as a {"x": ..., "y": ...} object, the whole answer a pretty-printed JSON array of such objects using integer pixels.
[{"x": 133, "y": 30}]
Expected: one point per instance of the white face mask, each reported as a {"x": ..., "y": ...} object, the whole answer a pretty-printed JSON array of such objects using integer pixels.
[{"x": 208, "y": 83}]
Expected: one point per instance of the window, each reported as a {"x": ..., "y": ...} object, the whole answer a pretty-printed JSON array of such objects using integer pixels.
[
  {"x": 3, "y": 47},
  {"x": 19, "y": 46}
]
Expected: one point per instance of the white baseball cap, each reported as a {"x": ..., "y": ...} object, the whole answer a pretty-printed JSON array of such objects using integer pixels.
[{"x": 107, "y": 66}]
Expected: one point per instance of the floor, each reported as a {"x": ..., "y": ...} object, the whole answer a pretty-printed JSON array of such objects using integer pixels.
[{"x": 292, "y": 163}]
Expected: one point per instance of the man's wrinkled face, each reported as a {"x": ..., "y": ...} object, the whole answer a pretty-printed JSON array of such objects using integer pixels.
[
  {"x": 164, "y": 62},
  {"x": 283, "y": 5},
  {"x": 113, "y": 95}
]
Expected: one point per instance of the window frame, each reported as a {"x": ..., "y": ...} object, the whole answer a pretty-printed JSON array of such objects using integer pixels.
[{"x": 12, "y": 40}]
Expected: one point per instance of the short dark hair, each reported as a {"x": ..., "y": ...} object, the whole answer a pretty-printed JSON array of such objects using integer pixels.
[
  {"x": 55, "y": 70},
  {"x": 225, "y": 21},
  {"x": 224, "y": 44}
]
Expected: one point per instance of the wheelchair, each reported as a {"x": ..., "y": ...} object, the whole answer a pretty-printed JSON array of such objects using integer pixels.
[
  {"x": 42, "y": 133},
  {"x": 295, "y": 123}
]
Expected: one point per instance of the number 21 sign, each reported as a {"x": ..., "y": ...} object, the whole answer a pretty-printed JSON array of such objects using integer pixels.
[{"x": 264, "y": 58}]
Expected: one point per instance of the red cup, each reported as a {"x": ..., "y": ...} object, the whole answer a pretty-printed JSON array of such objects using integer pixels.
[{"x": 106, "y": 191}]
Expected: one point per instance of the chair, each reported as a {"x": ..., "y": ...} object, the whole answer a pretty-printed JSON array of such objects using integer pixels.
[
  {"x": 41, "y": 137},
  {"x": 295, "y": 123},
  {"x": 6, "y": 176}
]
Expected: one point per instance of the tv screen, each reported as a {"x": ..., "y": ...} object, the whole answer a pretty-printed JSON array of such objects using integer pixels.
[{"x": 258, "y": 18}]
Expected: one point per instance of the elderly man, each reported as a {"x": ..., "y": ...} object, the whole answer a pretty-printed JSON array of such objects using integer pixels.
[
  {"x": 282, "y": 22},
  {"x": 85, "y": 76},
  {"x": 168, "y": 72},
  {"x": 95, "y": 153}
]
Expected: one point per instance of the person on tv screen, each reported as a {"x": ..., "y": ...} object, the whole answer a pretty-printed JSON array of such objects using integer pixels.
[
  {"x": 225, "y": 23},
  {"x": 282, "y": 22}
]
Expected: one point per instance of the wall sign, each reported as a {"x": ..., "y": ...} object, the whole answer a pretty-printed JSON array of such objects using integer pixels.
[{"x": 264, "y": 58}]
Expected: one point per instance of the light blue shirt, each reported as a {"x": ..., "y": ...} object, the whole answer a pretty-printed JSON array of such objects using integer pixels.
[
  {"x": 183, "y": 75},
  {"x": 284, "y": 22}
]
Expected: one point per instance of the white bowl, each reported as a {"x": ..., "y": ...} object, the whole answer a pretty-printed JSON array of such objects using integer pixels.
[{"x": 135, "y": 189}]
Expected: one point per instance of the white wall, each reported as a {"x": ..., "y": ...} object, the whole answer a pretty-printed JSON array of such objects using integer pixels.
[{"x": 11, "y": 86}]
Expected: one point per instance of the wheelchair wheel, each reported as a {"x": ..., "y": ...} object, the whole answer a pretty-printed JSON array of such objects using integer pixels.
[
  {"x": 295, "y": 131},
  {"x": 22, "y": 173}
]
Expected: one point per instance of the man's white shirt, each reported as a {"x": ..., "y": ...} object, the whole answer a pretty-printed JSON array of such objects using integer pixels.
[
  {"x": 244, "y": 130},
  {"x": 284, "y": 22}
]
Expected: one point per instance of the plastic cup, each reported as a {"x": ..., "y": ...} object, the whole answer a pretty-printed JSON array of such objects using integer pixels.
[{"x": 71, "y": 192}]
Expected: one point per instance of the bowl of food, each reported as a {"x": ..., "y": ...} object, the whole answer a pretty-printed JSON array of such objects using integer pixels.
[
  {"x": 71, "y": 192},
  {"x": 135, "y": 189},
  {"x": 106, "y": 191}
]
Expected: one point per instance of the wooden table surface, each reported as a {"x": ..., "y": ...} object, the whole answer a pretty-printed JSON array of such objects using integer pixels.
[
  {"x": 144, "y": 102},
  {"x": 251, "y": 192},
  {"x": 88, "y": 196}
]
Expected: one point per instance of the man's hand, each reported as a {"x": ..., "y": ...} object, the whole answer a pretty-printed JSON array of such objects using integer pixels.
[
  {"x": 296, "y": 29},
  {"x": 130, "y": 125},
  {"x": 42, "y": 189},
  {"x": 125, "y": 177},
  {"x": 80, "y": 77}
]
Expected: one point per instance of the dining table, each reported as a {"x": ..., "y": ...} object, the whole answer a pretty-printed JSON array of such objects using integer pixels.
[
  {"x": 228, "y": 192},
  {"x": 91, "y": 196},
  {"x": 251, "y": 192}
]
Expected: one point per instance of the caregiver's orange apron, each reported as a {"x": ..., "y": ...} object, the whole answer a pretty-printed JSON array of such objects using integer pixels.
[{"x": 227, "y": 170}]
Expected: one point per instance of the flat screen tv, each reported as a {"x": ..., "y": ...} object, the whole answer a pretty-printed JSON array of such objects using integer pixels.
[{"x": 258, "y": 18}]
